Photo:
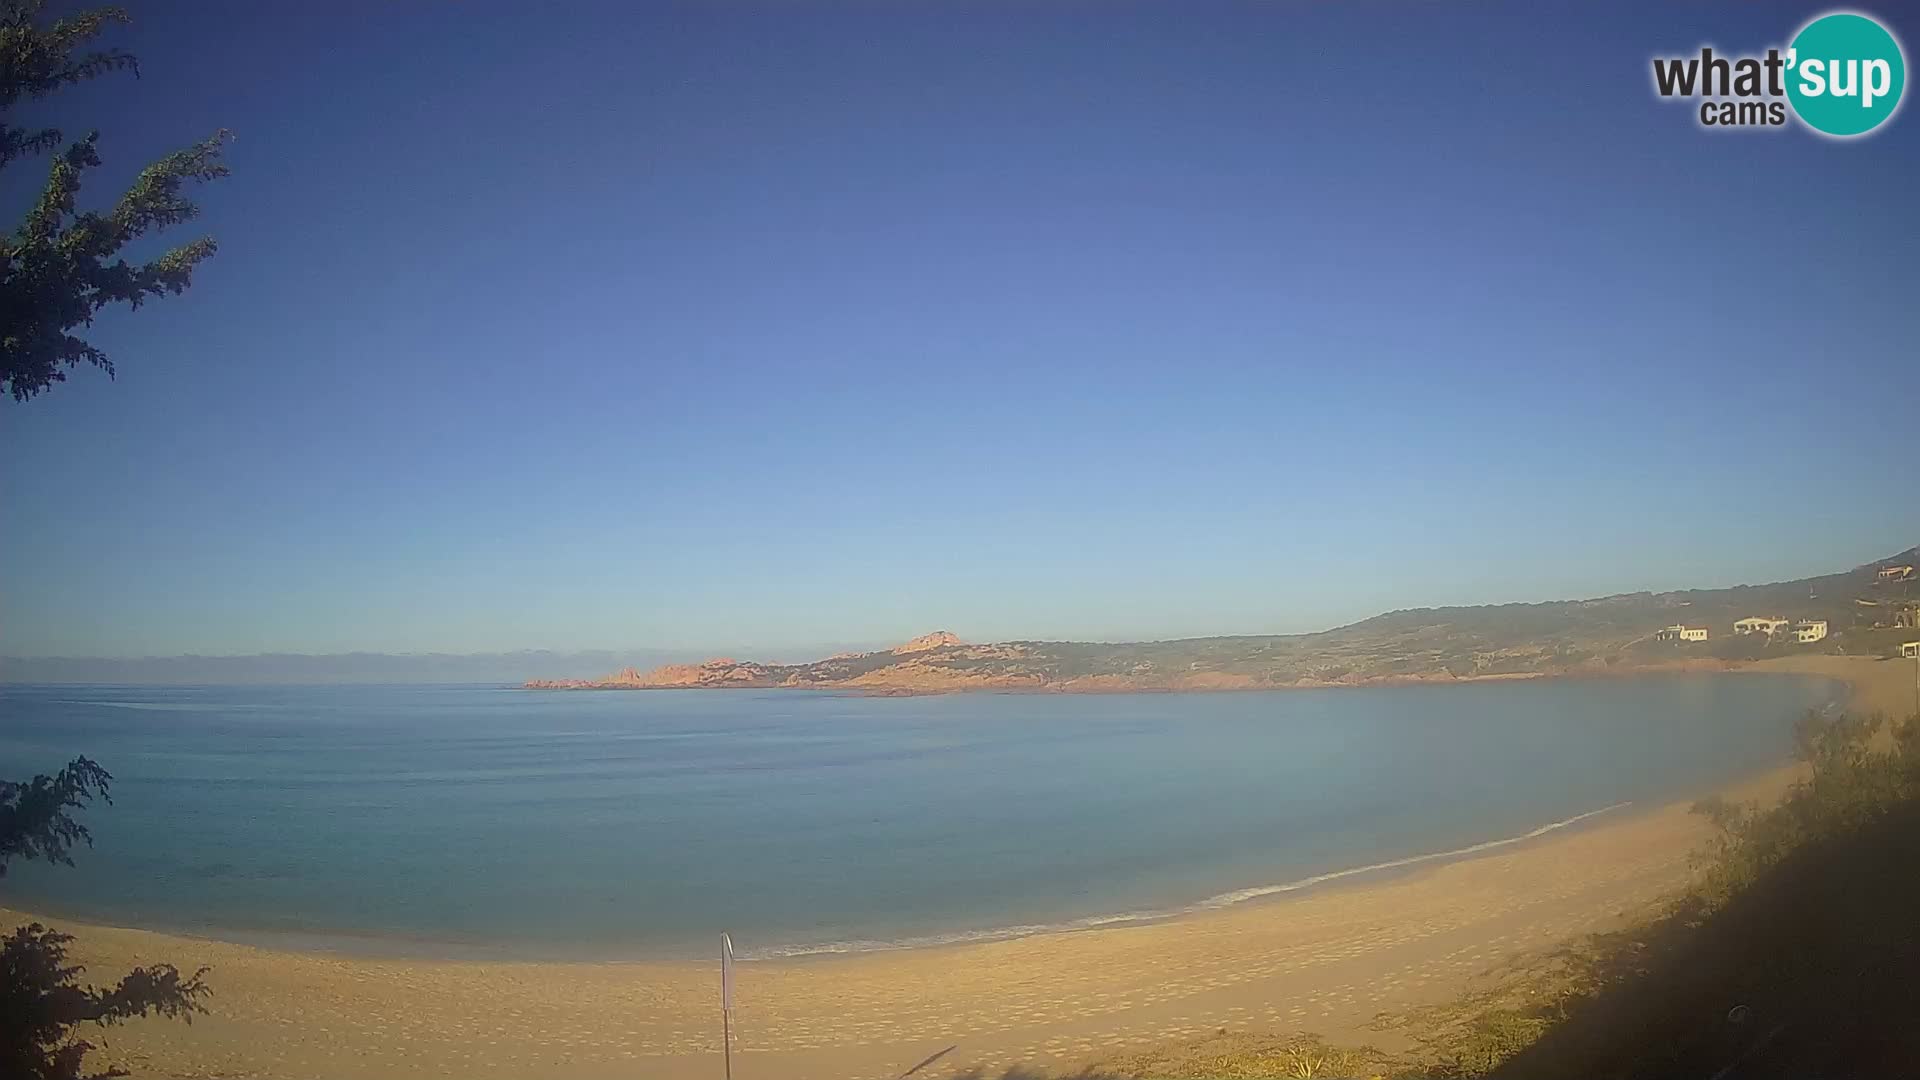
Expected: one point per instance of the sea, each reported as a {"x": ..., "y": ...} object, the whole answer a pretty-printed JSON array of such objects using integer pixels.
[{"x": 489, "y": 821}]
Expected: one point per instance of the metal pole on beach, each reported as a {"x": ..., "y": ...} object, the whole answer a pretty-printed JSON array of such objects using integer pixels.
[{"x": 726, "y": 1001}]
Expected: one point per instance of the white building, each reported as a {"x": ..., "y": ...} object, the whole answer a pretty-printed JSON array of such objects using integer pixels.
[
  {"x": 1760, "y": 625},
  {"x": 1910, "y": 649},
  {"x": 1677, "y": 632},
  {"x": 1809, "y": 630}
]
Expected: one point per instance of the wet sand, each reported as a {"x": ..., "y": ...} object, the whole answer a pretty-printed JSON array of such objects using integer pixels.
[{"x": 1326, "y": 960}]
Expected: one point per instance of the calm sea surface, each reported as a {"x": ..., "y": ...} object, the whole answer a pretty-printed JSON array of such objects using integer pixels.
[{"x": 639, "y": 824}]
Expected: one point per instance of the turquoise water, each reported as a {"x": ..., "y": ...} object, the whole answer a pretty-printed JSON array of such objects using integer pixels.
[{"x": 638, "y": 824}]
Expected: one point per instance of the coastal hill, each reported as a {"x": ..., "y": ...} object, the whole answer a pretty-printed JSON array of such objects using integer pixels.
[{"x": 1867, "y": 612}]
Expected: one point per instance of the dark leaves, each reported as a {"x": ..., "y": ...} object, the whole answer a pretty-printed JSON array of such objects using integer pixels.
[
  {"x": 34, "y": 818},
  {"x": 35, "y": 61},
  {"x": 61, "y": 265},
  {"x": 41, "y": 999}
]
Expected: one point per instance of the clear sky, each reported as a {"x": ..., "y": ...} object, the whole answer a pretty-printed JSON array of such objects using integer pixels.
[{"x": 760, "y": 327}]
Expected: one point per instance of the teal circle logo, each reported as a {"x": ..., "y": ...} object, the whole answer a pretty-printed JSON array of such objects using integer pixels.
[{"x": 1845, "y": 74}]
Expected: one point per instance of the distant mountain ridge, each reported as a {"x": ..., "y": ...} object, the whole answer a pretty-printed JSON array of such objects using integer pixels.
[
  {"x": 1426, "y": 644},
  {"x": 271, "y": 668}
]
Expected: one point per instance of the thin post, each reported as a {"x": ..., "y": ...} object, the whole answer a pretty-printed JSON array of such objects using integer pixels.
[{"x": 726, "y": 1002}]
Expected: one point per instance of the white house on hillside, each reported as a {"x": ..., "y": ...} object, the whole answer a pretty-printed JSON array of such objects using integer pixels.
[
  {"x": 1759, "y": 625},
  {"x": 1809, "y": 630},
  {"x": 1677, "y": 632}
]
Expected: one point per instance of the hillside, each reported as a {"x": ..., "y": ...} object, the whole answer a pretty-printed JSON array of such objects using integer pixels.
[{"x": 1499, "y": 641}]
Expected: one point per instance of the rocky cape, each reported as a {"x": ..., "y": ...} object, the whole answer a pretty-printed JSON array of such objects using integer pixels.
[{"x": 1614, "y": 634}]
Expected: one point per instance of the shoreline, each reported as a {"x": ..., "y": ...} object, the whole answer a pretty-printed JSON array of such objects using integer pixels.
[
  {"x": 1326, "y": 957},
  {"x": 377, "y": 945}
]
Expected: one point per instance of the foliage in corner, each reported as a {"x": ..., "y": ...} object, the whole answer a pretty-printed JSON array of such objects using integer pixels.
[
  {"x": 60, "y": 265},
  {"x": 41, "y": 998},
  {"x": 34, "y": 818}
]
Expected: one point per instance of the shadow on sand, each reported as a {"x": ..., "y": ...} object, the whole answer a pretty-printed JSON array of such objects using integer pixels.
[{"x": 1811, "y": 971}]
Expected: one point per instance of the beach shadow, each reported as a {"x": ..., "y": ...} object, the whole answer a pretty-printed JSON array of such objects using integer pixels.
[{"x": 1814, "y": 970}]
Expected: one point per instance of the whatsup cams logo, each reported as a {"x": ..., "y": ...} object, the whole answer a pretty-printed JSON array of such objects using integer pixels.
[{"x": 1842, "y": 75}]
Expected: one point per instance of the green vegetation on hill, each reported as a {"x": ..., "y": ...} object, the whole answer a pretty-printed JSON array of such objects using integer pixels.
[{"x": 1564, "y": 636}]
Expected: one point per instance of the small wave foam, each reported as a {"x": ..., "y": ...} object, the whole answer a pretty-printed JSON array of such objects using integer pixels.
[
  {"x": 1223, "y": 900},
  {"x": 1238, "y": 895}
]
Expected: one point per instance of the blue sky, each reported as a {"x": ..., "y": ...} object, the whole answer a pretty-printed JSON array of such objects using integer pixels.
[{"x": 758, "y": 328}]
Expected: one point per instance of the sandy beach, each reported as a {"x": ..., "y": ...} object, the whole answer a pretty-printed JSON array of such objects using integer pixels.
[{"x": 1326, "y": 960}]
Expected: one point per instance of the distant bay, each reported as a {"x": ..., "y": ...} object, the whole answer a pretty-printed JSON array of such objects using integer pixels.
[{"x": 475, "y": 819}]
